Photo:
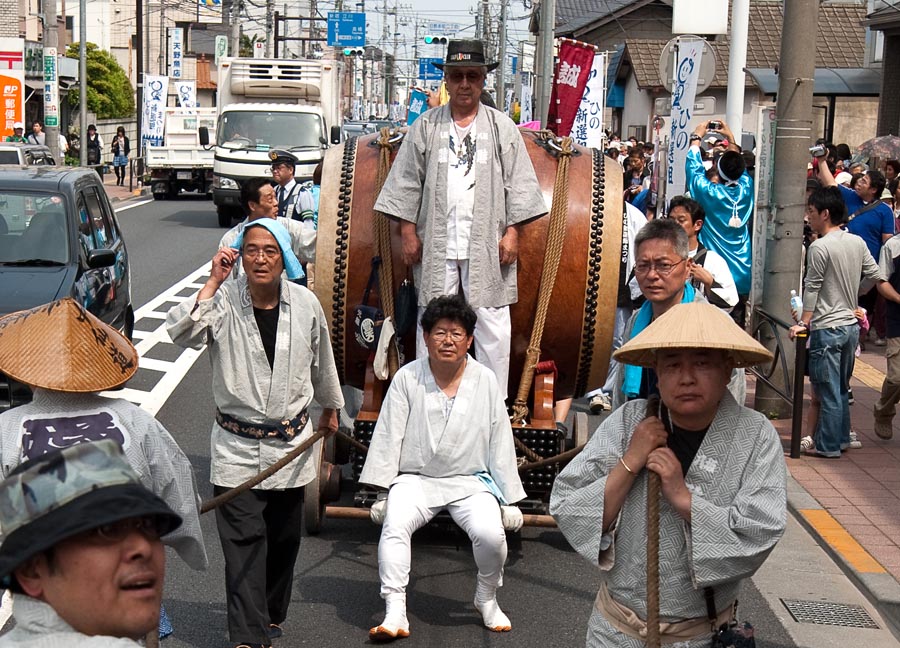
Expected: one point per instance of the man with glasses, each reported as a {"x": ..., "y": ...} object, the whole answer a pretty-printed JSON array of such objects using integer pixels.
[
  {"x": 663, "y": 272},
  {"x": 462, "y": 184},
  {"x": 81, "y": 550},
  {"x": 270, "y": 350},
  {"x": 443, "y": 441}
]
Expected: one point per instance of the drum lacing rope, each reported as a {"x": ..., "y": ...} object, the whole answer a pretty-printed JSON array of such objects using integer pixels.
[
  {"x": 653, "y": 491},
  {"x": 555, "y": 239},
  {"x": 383, "y": 242}
]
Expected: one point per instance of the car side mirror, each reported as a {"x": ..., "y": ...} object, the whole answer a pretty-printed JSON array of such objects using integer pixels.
[
  {"x": 101, "y": 259},
  {"x": 335, "y": 134},
  {"x": 322, "y": 140},
  {"x": 203, "y": 132}
]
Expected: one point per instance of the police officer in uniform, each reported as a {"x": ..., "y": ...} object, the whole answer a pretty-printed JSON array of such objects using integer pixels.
[{"x": 294, "y": 200}]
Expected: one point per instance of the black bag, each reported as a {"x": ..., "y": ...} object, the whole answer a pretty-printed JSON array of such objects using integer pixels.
[
  {"x": 732, "y": 634},
  {"x": 407, "y": 307},
  {"x": 367, "y": 320}
]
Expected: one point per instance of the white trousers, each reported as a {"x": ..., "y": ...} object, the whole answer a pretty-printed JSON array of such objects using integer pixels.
[
  {"x": 493, "y": 330},
  {"x": 478, "y": 515}
]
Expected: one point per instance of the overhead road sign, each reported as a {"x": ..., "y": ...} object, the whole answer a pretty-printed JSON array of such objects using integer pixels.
[
  {"x": 427, "y": 72},
  {"x": 346, "y": 29}
]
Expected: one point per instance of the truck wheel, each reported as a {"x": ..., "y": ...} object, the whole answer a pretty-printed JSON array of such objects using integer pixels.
[
  {"x": 224, "y": 215},
  {"x": 173, "y": 191}
]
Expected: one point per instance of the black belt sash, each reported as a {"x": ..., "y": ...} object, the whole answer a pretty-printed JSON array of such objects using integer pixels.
[{"x": 286, "y": 430}]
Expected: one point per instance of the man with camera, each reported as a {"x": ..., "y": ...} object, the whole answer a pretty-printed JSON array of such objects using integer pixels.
[
  {"x": 868, "y": 217},
  {"x": 728, "y": 205}
]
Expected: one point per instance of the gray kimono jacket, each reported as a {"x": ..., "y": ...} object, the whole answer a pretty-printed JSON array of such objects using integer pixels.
[
  {"x": 506, "y": 193},
  {"x": 738, "y": 514},
  {"x": 412, "y": 436}
]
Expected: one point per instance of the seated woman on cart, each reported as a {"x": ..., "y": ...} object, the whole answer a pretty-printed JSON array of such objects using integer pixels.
[{"x": 443, "y": 440}]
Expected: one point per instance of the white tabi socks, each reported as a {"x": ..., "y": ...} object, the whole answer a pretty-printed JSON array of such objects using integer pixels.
[
  {"x": 395, "y": 624},
  {"x": 486, "y": 603}
]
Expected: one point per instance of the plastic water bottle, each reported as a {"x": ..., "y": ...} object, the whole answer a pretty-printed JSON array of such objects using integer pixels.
[{"x": 796, "y": 306}]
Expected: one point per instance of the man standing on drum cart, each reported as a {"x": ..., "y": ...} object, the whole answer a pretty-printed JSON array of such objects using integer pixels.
[{"x": 461, "y": 186}]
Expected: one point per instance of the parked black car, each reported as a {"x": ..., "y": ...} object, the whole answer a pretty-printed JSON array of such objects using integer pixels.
[{"x": 59, "y": 237}]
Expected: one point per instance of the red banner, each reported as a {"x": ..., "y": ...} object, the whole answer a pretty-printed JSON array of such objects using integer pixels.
[{"x": 572, "y": 71}]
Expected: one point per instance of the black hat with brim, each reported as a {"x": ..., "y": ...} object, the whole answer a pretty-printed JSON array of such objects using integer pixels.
[
  {"x": 90, "y": 511},
  {"x": 465, "y": 53}
]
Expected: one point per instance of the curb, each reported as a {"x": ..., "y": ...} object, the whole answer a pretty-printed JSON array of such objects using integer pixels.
[
  {"x": 875, "y": 582},
  {"x": 137, "y": 193}
]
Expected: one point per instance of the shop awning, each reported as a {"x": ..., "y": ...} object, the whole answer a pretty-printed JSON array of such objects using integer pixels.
[{"x": 838, "y": 82}]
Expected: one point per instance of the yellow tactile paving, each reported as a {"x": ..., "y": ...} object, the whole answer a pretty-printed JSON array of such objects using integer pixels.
[
  {"x": 868, "y": 375},
  {"x": 842, "y": 542}
]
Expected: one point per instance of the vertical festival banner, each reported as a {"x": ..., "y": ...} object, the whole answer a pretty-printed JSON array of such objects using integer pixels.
[
  {"x": 187, "y": 93},
  {"x": 572, "y": 71},
  {"x": 684, "y": 91},
  {"x": 588, "y": 127},
  {"x": 156, "y": 92},
  {"x": 12, "y": 84},
  {"x": 527, "y": 109}
]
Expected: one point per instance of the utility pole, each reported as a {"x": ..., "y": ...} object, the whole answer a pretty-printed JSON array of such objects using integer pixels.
[
  {"x": 270, "y": 26},
  {"x": 545, "y": 72},
  {"x": 51, "y": 44},
  {"x": 737, "y": 61},
  {"x": 793, "y": 115},
  {"x": 163, "y": 41},
  {"x": 236, "y": 28},
  {"x": 393, "y": 79},
  {"x": 486, "y": 29},
  {"x": 139, "y": 56},
  {"x": 82, "y": 80},
  {"x": 500, "y": 75}
]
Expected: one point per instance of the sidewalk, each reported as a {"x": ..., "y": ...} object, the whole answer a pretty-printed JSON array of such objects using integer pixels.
[
  {"x": 852, "y": 504},
  {"x": 117, "y": 193}
]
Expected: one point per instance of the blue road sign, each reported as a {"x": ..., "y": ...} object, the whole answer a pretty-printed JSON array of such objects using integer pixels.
[
  {"x": 427, "y": 72},
  {"x": 346, "y": 29}
]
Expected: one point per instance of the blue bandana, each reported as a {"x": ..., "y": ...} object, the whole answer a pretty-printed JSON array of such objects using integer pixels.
[{"x": 291, "y": 263}]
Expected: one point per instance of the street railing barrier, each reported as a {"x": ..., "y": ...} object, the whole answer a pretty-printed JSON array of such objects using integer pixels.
[{"x": 777, "y": 329}]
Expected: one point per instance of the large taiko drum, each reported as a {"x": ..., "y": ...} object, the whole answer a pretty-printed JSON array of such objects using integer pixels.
[{"x": 579, "y": 324}]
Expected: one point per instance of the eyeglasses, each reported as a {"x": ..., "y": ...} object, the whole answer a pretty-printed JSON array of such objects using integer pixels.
[
  {"x": 268, "y": 252},
  {"x": 456, "y": 335},
  {"x": 147, "y": 525},
  {"x": 457, "y": 77},
  {"x": 662, "y": 268}
]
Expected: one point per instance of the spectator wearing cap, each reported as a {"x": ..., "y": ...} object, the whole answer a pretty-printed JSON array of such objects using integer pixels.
[
  {"x": 873, "y": 221},
  {"x": 294, "y": 200},
  {"x": 728, "y": 205},
  {"x": 81, "y": 550},
  {"x": 18, "y": 133}
]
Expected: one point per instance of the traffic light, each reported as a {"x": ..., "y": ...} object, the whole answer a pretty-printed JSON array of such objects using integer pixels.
[
  {"x": 354, "y": 51},
  {"x": 431, "y": 39}
]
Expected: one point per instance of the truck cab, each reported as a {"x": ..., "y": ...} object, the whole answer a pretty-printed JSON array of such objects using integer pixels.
[{"x": 266, "y": 104}]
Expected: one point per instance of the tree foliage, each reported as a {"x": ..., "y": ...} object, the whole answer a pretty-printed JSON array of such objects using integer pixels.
[
  {"x": 109, "y": 92},
  {"x": 248, "y": 43}
]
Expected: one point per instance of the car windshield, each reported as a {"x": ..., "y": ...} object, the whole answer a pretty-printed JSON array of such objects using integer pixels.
[
  {"x": 262, "y": 131},
  {"x": 33, "y": 229}
]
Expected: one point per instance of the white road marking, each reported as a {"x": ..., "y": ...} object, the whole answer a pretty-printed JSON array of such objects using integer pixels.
[
  {"x": 132, "y": 205},
  {"x": 5, "y": 608},
  {"x": 173, "y": 371}
]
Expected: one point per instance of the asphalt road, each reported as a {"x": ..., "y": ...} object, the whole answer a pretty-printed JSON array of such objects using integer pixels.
[{"x": 548, "y": 592}]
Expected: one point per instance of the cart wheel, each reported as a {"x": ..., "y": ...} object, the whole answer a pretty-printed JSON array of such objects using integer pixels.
[
  {"x": 580, "y": 432},
  {"x": 313, "y": 505}
]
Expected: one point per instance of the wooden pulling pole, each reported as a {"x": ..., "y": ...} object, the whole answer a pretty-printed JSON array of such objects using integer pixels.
[
  {"x": 229, "y": 495},
  {"x": 653, "y": 491},
  {"x": 354, "y": 513}
]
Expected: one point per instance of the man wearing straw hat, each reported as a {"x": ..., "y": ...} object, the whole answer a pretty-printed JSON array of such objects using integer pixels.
[
  {"x": 81, "y": 550},
  {"x": 723, "y": 485},
  {"x": 67, "y": 356},
  {"x": 271, "y": 355},
  {"x": 461, "y": 186}
]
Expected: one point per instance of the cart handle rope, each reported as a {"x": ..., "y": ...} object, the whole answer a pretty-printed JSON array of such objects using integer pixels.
[
  {"x": 229, "y": 495},
  {"x": 555, "y": 239},
  {"x": 653, "y": 491},
  {"x": 383, "y": 241}
]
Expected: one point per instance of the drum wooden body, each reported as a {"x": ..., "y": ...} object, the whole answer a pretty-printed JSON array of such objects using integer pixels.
[{"x": 579, "y": 327}]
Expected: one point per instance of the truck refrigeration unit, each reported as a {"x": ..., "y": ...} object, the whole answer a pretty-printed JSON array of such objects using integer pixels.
[{"x": 267, "y": 104}]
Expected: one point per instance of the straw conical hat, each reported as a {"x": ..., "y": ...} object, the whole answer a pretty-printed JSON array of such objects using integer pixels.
[
  {"x": 60, "y": 346},
  {"x": 695, "y": 325}
]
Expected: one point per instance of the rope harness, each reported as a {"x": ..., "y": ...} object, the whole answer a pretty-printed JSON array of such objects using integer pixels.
[
  {"x": 555, "y": 239},
  {"x": 653, "y": 492}
]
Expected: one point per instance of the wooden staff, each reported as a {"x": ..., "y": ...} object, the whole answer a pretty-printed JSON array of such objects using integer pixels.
[{"x": 653, "y": 491}]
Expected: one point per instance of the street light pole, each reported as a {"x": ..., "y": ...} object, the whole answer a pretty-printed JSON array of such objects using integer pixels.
[
  {"x": 51, "y": 79},
  {"x": 82, "y": 80}
]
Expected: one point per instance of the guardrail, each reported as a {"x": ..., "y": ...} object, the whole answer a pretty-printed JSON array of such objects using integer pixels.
[{"x": 778, "y": 329}]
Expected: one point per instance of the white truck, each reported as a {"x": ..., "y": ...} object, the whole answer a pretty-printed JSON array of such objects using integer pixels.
[
  {"x": 267, "y": 104},
  {"x": 182, "y": 162}
]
